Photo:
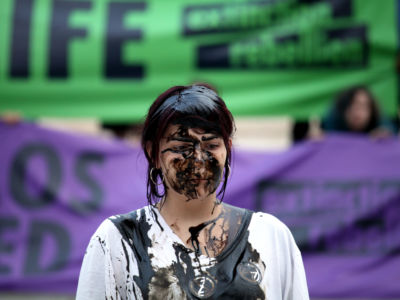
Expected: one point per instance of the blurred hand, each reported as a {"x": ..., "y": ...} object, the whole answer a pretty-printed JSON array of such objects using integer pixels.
[
  {"x": 10, "y": 118},
  {"x": 380, "y": 133},
  {"x": 315, "y": 132}
]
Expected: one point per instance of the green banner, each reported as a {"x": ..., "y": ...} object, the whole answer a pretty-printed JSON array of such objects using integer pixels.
[{"x": 110, "y": 59}]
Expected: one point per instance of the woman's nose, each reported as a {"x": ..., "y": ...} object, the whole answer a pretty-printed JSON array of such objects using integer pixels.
[{"x": 198, "y": 157}]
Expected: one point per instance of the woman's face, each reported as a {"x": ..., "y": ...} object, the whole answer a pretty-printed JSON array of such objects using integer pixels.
[
  {"x": 192, "y": 160},
  {"x": 358, "y": 114}
]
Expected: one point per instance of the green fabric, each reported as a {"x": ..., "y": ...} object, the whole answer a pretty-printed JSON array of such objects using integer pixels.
[{"x": 265, "y": 57}]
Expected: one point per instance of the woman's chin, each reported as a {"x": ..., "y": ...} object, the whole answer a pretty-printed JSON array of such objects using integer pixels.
[{"x": 203, "y": 194}]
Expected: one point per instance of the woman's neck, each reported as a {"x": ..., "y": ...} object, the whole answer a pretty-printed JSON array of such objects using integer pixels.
[{"x": 177, "y": 207}]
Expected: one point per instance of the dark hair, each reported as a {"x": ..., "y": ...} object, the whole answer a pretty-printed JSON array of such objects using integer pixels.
[
  {"x": 346, "y": 98},
  {"x": 197, "y": 104}
]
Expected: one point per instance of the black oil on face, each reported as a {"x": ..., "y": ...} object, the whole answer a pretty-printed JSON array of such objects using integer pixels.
[{"x": 195, "y": 168}]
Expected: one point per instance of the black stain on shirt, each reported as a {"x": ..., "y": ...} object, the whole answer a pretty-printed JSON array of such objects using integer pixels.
[
  {"x": 134, "y": 231},
  {"x": 161, "y": 283}
]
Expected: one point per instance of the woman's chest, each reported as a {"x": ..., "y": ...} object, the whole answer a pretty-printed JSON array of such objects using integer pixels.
[{"x": 169, "y": 270}]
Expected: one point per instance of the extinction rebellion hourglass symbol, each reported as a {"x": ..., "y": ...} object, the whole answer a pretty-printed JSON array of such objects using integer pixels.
[
  {"x": 249, "y": 272},
  {"x": 202, "y": 286}
]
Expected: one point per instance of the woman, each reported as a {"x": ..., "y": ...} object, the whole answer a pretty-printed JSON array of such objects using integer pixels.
[
  {"x": 187, "y": 243},
  {"x": 357, "y": 111}
]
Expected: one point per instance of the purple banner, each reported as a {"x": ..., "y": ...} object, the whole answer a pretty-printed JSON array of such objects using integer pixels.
[{"x": 340, "y": 197}]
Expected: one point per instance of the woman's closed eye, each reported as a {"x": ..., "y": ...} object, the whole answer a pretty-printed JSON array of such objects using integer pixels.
[
  {"x": 182, "y": 147},
  {"x": 212, "y": 146}
]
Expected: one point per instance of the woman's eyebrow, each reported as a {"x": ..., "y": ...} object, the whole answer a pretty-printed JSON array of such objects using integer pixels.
[
  {"x": 208, "y": 138},
  {"x": 180, "y": 139}
]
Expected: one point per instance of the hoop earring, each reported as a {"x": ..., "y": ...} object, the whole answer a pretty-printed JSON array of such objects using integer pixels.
[
  {"x": 229, "y": 170},
  {"x": 162, "y": 177},
  {"x": 151, "y": 176}
]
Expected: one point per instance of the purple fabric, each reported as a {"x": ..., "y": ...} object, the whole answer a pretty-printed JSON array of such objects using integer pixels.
[{"x": 340, "y": 197}]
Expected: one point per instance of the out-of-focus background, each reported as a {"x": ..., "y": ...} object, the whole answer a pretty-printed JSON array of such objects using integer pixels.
[{"x": 313, "y": 87}]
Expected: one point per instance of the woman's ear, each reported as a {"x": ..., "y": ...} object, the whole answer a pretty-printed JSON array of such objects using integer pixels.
[
  {"x": 149, "y": 150},
  {"x": 230, "y": 144}
]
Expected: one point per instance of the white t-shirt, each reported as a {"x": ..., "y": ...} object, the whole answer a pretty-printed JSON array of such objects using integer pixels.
[{"x": 138, "y": 256}]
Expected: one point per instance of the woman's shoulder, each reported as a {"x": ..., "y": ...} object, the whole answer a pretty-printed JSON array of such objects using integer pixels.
[
  {"x": 269, "y": 225},
  {"x": 268, "y": 233},
  {"x": 131, "y": 217},
  {"x": 260, "y": 220},
  {"x": 121, "y": 222},
  {"x": 267, "y": 218}
]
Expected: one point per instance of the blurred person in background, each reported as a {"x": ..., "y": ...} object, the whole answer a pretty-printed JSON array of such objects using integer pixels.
[
  {"x": 187, "y": 243},
  {"x": 10, "y": 117},
  {"x": 356, "y": 110}
]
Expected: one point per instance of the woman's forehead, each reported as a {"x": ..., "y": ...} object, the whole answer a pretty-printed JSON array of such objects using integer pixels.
[{"x": 180, "y": 130}]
